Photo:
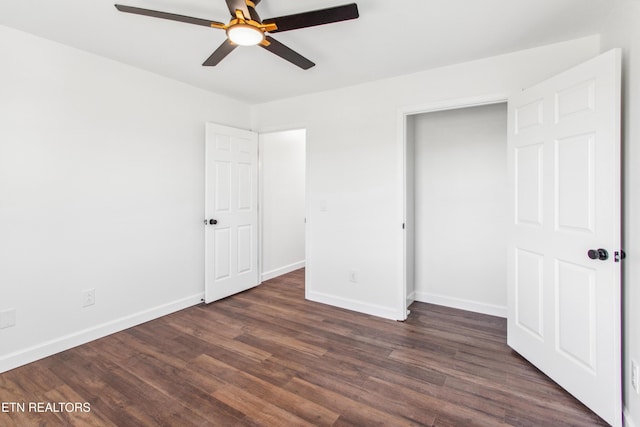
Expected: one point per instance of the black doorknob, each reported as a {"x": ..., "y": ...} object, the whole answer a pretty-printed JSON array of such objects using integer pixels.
[
  {"x": 213, "y": 221},
  {"x": 600, "y": 254}
]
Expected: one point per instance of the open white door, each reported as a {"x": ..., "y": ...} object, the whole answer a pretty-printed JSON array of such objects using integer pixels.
[
  {"x": 231, "y": 211},
  {"x": 564, "y": 175}
]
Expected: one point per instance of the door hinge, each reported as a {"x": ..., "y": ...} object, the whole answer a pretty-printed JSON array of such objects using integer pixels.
[
  {"x": 403, "y": 225},
  {"x": 619, "y": 256}
]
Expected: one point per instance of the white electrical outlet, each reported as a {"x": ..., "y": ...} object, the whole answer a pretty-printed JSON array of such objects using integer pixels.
[
  {"x": 88, "y": 297},
  {"x": 7, "y": 318},
  {"x": 353, "y": 276},
  {"x": 635, "y": 376}
]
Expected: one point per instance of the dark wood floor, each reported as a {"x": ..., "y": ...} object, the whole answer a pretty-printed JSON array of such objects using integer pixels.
[{"x": 268, "y": 357}]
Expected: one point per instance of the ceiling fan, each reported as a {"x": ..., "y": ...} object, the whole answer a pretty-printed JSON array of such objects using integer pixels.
[{"x": 247, "y": 29}]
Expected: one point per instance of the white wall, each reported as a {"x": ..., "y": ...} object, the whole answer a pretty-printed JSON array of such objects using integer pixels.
[
  {"x": 101, "y": 186},
  {"x": 282, "y": 163},
  {"x": 623, "y": 30},
  {"x": 354, "y": 166},
  {"x": 460, "y": 208}
]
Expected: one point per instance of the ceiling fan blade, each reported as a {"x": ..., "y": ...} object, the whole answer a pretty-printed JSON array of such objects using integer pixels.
[
  {"x": 221, "y": 52},
  {"x": 313, "y": 18},
  {"x": 286, "y": 53},
  {"x": 234, "y": 5},
  {"x": 253, "y": 13},
  {"x": 170, "y": 16}
]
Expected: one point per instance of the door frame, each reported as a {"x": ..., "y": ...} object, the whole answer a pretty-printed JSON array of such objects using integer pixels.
[
  {"x": 261, "y": 192},
  {"x": 407, "y": 256}
]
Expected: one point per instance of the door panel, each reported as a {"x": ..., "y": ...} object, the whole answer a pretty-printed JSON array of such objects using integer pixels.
[
  {"x": 222, "y": 190},
  {"x": 221, "y": 253},
  {"x": 245, "y": 190},
  {"x": 575, "y": 100},
  {"x": 529, "y": 292},
  {"x": 528, "y": 116},
  {"x": 245, "y": 248},
  {"x": 575, "y": 195},
  {"x": 576, "y": 332},
  {"x": 528, "y": 170},
  {"x": 231, "y": 244},
  {"x": 564, "y": 174}
]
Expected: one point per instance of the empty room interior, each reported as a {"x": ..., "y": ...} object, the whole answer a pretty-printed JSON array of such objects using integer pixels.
[{"x": 320, "y": 213}]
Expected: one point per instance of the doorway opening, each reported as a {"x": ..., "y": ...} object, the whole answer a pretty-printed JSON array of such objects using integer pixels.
[
  {"x": 282, "y": 201},
  {"x": 455, "y": 207}
]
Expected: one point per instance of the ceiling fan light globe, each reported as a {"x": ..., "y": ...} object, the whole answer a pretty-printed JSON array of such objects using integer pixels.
[{"x": 245, "y": 35}]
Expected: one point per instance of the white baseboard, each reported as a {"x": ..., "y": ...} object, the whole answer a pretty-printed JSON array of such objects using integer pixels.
[
  {"x": 627, "y": 420},
  {"x": 31, "y": 354},
  {"x": 282, "y": 270},
  {"x": 463, "y": 304},
  {"x": 349, "y": 304},
  {"x": 411, "y": 298}
]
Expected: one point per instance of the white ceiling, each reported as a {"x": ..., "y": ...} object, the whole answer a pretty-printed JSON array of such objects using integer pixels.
[{"x": 390, "y": 38}]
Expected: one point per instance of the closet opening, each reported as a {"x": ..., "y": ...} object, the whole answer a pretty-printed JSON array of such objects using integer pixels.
[{"x": 455, "y": 163}]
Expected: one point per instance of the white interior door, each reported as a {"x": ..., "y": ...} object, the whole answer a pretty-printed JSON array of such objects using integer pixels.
[
  {"x": 231, "y": 211},
  {"x": 564, "y": 174}
]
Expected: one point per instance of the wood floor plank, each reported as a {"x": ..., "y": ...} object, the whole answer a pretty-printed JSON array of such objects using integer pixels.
[
  {"x": 205, "y": 324},
  {"x": 352, "y": 411},
  {"x": 448, "y": 366},
  {"x": 268, "y": 357},
  {"x": 400, "y": 401},
  {"x": 258, "y": 410},
  {"x": 273, "y": 394}
]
